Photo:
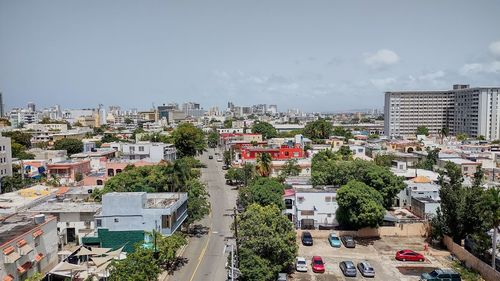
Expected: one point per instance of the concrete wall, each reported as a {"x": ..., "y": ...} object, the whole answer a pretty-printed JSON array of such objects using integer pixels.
[
  {"x": 487, "y": 272},
  {"x": 400, "y": 230}
]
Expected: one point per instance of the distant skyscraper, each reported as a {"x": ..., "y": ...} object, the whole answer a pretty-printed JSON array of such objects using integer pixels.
[{"x": 31, "y": 106}]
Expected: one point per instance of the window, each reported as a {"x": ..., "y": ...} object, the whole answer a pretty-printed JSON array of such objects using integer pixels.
[
  {"x": 295, "y": 154},
  {"x": 116, "y": 220},
  {"x": 165, "y": 221},
  {"x": 328, "y": 199},
  {"x": 141, "y": 148},
  {"x": 288, "y": 204},
  {"x": 466, "y": 169}
]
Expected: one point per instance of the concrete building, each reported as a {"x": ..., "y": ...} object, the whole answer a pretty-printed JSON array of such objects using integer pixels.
[
  {"x": 68, "y": 171},
  {"x": 308, "y": 207},
  {"x": 473, "y": 111},
  {"x": 424, "y": 207},
  {"x": 144, "y": 150},
  {"x": 28, "y": 245},
  {"x": 47, "y": 127},
  {"x": 421, "y": 187},
  {"x": 126, "y": 216},
  {"x": 5, "y": 158},
  {"x": 74, "y": 219},
  {"x": 21, "y": 200}
]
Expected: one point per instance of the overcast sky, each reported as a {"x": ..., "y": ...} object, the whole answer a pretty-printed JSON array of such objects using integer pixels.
[{"x": 312, "y": 55}]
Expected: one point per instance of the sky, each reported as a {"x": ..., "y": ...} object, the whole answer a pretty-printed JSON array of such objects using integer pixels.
[{"x": 312, "y": 55}]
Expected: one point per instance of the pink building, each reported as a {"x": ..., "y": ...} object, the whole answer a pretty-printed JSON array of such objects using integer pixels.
[{"x": 68, "y": 170}]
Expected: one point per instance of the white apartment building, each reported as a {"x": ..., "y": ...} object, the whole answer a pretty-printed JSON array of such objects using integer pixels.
[
  {"x": 148, "y": 151},
  {"x": 473, "y": 111},
  {"x": 5, "y": 158}
]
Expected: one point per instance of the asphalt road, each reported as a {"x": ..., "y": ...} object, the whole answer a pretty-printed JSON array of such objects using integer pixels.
[{"x": 206, "y": 260}]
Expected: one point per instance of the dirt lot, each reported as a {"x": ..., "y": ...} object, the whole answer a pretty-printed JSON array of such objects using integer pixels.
[{"x": 378, "y": 252}]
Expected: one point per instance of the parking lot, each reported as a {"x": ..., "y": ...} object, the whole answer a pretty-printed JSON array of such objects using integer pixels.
[{"x": 378, "y": 252}]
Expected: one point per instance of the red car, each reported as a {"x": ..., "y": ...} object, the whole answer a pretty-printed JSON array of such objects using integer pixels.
[
  {"x": 409, "y": 255},
  {"x": 317, "y": 264}
]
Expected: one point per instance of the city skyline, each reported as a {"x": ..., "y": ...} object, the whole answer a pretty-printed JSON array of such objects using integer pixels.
[{"x": 317, "y": 57}]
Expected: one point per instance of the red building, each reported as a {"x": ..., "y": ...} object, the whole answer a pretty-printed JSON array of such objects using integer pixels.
[{"x": 283, "y": 152}]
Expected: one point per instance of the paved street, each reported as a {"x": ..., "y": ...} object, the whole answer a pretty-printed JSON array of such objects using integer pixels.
[{"x": 206, "y": 260}]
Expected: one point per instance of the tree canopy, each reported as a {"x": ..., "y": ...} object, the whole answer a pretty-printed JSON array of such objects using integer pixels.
[
  {"x": 265, "y": 129},
  {"x": 338, "y": 173},
  {"x": 198, "y": 204},
  {"x": 72, "y": 146},
  {"x": 290, "y": 168},
  {"x": 341, "y": 132},
  {"x": 264, "y": 161},
  {"x": 319, "y": 129},
  {"x": 213, "y": 139},
  {"x": 139, "y": 265},
  {"x": 263, "y": 191},
  {"x": 359, "y": 206},
  {"x": 189, "y": 140},
  {"x": 267, "y": 243},
  {"x": 422, "y": 130}
]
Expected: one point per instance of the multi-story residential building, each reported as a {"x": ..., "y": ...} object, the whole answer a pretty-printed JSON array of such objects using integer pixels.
[
  {"x": 473, "y": 111},
  {"x": 47, "y": 127},
  {"x": 28, "y": 245},
  {"x": 125, "y": 217},
  {"x": 74, "y": 219},
  {"x": 69, "y": 171},
  {"x": 310, "y": 208},
  {"x": 5, "y": 158},
  {"x": 148, "y": 151},
  {"x": 283, "y": 152},
  {"x": 21, "y": 116}
]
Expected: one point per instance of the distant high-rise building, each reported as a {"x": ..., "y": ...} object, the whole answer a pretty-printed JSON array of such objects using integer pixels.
[
  {"x": 272, "y": 108},
  {"x": 31, "y": 106},
  {"x": 473, "y": 111},
  {"x": 192, "y": 109}
]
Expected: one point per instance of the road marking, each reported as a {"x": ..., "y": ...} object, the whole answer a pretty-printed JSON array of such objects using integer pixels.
[{"x": 202, "y": 254}]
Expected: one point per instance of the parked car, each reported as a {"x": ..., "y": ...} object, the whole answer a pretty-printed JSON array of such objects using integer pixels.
[
  {"x": 366, "y": 269},
  {"x": 210, "y": 157},
  {"x": 334, "y": 240},
  {"x": 441, "y": 275},
  {"x": 348, "y": 241},
  {"x": 307, "y": 239},
  {"x": 348, "y": 268},
  {"x": 219, "y": 159},
  {"x": 301, "y": 264},
  {"x": 317, "y": 264},
  {"x": 409, "y": 255},
  {"x": 225, "y": 167}
]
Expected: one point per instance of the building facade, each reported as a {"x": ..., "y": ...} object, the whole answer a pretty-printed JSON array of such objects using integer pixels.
[
  {"x": 5, "y": 158},
  {"x": 473, "y": 111}
]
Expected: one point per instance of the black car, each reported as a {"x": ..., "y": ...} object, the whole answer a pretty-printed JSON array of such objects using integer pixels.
[
  {"x": 307, "y": 239},
  {"x": 210, "y": 157},
  {"x": 225, "y": 167},
  {"x": 348, "y": 241},
  {"x": 441, "y": 275},
  {"x": 348, "y": 268}
]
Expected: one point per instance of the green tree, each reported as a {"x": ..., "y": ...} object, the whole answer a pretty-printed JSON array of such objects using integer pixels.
[
  {"x": 345, "y": 153},
  {"x": 263, "y": 191},
  {"x": 422, "y": 130},
  {"x": 462, "y": 136},
  {"x": 139, "y": 265},
  {"x": 267, "y": 243},
  {"x": 290, "y": 168},
  {"x": 265, "y": 129},
  {"x": 359, "y": 206},
  {"x": 128, "y": 121},
  {"x": 189, "y": 140},
  {"x": 110, "y": 138},
  {"x": 341, "y": 132},
  {"x": 228, "y": 157},
  {"x": 319, "y": 129},
  {"x": 19, "y": 137},
  {"x": 198, "y": 204},
  {"x": 384, "y": 159},
  {"x": 264, "y": 162},
  {"x": 72, "y": 146},
  {"x": 228, "y": 123},
  {"x": 451, "y": 194},
  {"x": 444, "y": 132},
  {"x": 235, "y": 175},
  {"x": 213, "y": 139},
  {"x": 19, "y": 152},
  {"x": 249, "y": 173},
  {"x": 489, "y": 205},
  {"x": 167, "y": 247},
  {"x": 430, "y": 160}
]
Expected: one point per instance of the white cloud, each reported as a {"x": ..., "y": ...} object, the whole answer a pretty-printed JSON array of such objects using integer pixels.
[
  {"x": 383, "y": 83},
  {"x": 381, "y": 58},
  {"x": 480, "y": 68},
  {"x": 432, "y": 75},
  {"x": 495, "y": 49}
]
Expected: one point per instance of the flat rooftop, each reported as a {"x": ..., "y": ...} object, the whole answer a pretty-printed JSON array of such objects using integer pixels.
[
  {"x": 66, "y": 207},
  {"x": 16, "y": 201},
  {"x": 162, "y": 200},
  {"x": 16, "y": 225}
]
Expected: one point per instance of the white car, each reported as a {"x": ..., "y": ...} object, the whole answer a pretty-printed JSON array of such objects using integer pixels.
[
  {"x": 301, "y": 264},
  {"x": 219, "y": 159}
]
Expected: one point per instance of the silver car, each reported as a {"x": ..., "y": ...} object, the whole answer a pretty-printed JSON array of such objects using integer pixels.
[
  {"x": 366, "y": 269},
  {"x": 348, "y": 268},
  {"x": 301, "y": 264}
]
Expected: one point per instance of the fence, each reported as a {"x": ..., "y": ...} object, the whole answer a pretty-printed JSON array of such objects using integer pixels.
[
  {"x": 487, "y": 272},
  {"x": 418, "y": 229}
]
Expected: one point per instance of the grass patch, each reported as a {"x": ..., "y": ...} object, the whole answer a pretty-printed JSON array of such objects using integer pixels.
[{"x": 467, "y": 274}]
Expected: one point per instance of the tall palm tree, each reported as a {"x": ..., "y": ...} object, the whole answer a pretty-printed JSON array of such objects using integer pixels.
[
  {"x": 264, "y": 164},
  {"x": 491, "y": 210},
  {"x": 444, "y": 132}
]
